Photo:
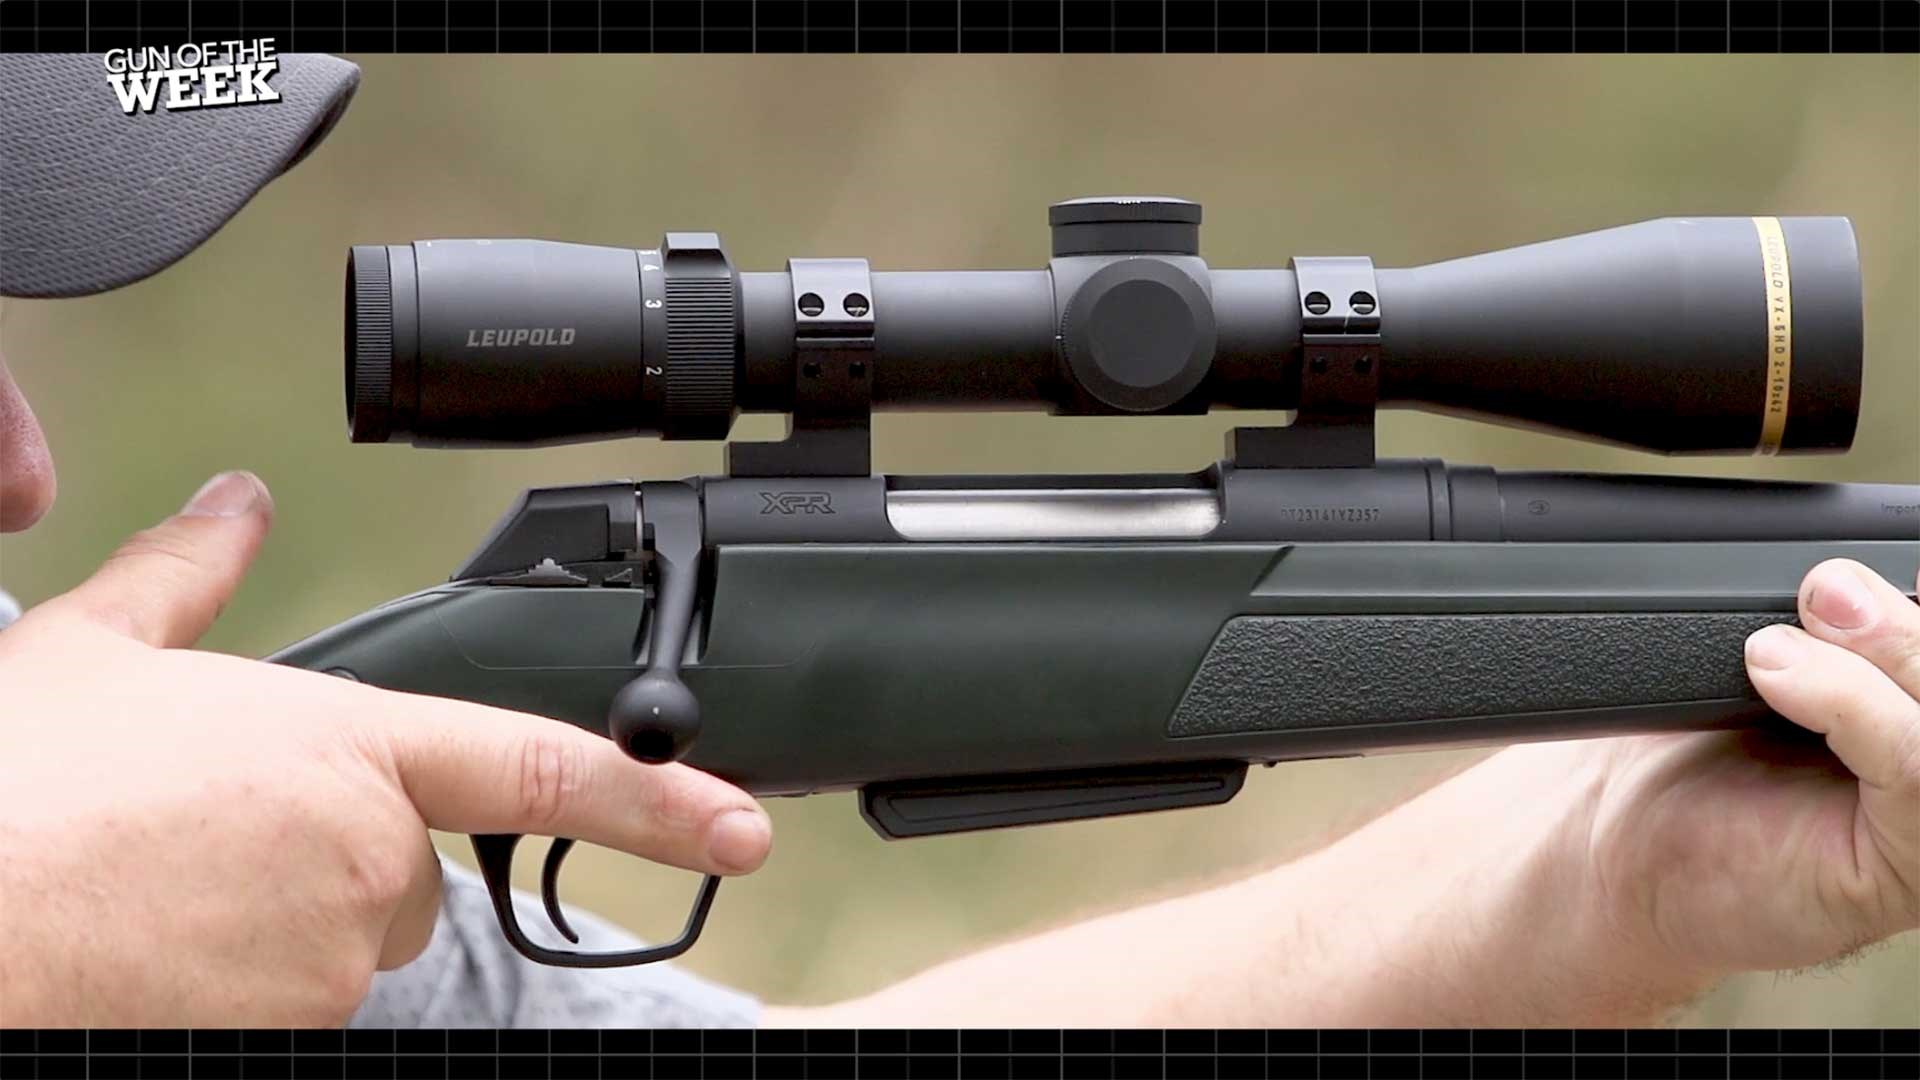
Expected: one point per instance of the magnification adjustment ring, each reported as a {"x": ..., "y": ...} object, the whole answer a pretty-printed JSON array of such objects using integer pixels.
[{"x": 703, "y": 334}]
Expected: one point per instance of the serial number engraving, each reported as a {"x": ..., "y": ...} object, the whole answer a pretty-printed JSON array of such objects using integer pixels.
[{"x": 1346, "y": 515}]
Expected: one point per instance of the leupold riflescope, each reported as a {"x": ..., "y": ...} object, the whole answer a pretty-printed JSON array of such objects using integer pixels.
[{"x": 1669, "y": 335}]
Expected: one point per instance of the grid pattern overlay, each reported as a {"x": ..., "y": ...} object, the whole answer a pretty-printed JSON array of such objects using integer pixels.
[
  {"x": 1046, "y": 26},
  {"x": 1008, "y": 1055}
]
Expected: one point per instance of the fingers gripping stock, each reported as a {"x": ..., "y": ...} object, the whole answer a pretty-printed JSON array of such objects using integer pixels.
[{"x": 654, "y": 718}]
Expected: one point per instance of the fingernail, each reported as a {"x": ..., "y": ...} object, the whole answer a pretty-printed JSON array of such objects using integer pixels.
[
  {"x": 1841, "y": 601},
  {"x": 1772, "y": 648},
  {"x": 738, "y": 840},
  {"x": 229, "y": 494}
]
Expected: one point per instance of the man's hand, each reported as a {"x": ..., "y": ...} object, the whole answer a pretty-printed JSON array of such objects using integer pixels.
[
  {"x": 1732, "y": 853},
  {"x": 190, "y": 839}
]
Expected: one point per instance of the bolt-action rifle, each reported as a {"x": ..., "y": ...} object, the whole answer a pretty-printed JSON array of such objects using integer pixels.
[{"x": 979, "y": 652}]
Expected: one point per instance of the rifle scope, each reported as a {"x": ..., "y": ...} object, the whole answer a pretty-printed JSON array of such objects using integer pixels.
[{"x": 1681, "y": 335}]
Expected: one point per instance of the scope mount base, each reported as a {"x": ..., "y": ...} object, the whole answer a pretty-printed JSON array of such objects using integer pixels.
[
  {"x": 830, "y": 430},
  {"x": 1339, "y": 374}
]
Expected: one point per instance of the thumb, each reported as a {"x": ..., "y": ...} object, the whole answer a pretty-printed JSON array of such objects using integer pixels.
[{"x": 167, "y": 584}]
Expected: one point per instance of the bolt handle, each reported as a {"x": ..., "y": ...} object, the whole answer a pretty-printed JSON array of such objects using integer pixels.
[{"x": 655, "y": 718}]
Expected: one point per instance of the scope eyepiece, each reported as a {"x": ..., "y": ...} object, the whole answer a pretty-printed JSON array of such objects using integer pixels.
[
  {"x": 1682, "y": 335},
  {"x": 494, "y": 343},
  {"x": 369, "y": 344}
]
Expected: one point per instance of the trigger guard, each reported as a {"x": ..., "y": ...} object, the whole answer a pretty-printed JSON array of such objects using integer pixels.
[{"x": 494, "y": 852}]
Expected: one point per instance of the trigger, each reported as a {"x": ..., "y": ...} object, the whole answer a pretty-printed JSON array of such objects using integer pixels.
[{"x": 550, "y": 888}]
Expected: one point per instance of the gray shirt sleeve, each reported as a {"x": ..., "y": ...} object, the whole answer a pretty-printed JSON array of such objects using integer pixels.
[{"x": 469, "y": 976}]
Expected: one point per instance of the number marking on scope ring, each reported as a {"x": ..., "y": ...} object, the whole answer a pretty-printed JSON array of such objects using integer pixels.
[{"x": 797, "y": 502}]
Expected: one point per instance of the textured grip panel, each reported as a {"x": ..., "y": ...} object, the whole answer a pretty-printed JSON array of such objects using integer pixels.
[{"x": 1290, "y": 673}]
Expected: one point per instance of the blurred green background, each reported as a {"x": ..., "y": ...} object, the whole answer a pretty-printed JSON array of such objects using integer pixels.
[{"x": 232, "y": 359}]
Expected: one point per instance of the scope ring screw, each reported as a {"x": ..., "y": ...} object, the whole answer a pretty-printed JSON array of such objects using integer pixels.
[
  {"x": 1317, "y": 303},
  {"x": 1361, "y": 303},
  {"x": 857, "y": 370},
  {"x": 811, "y": 304},
  {"x": 856, "y": 305},
  {"x": 1318, "y": 364},
  {"x": 810, "y": 369},
  {"x": 1363, "y": 365}
]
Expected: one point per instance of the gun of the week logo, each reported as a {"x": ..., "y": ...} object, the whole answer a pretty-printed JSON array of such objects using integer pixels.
[{"x": 206, "y": 75}]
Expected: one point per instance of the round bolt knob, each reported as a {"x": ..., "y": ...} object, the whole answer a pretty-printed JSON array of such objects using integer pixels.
[{"x": 654, "y": 718}]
